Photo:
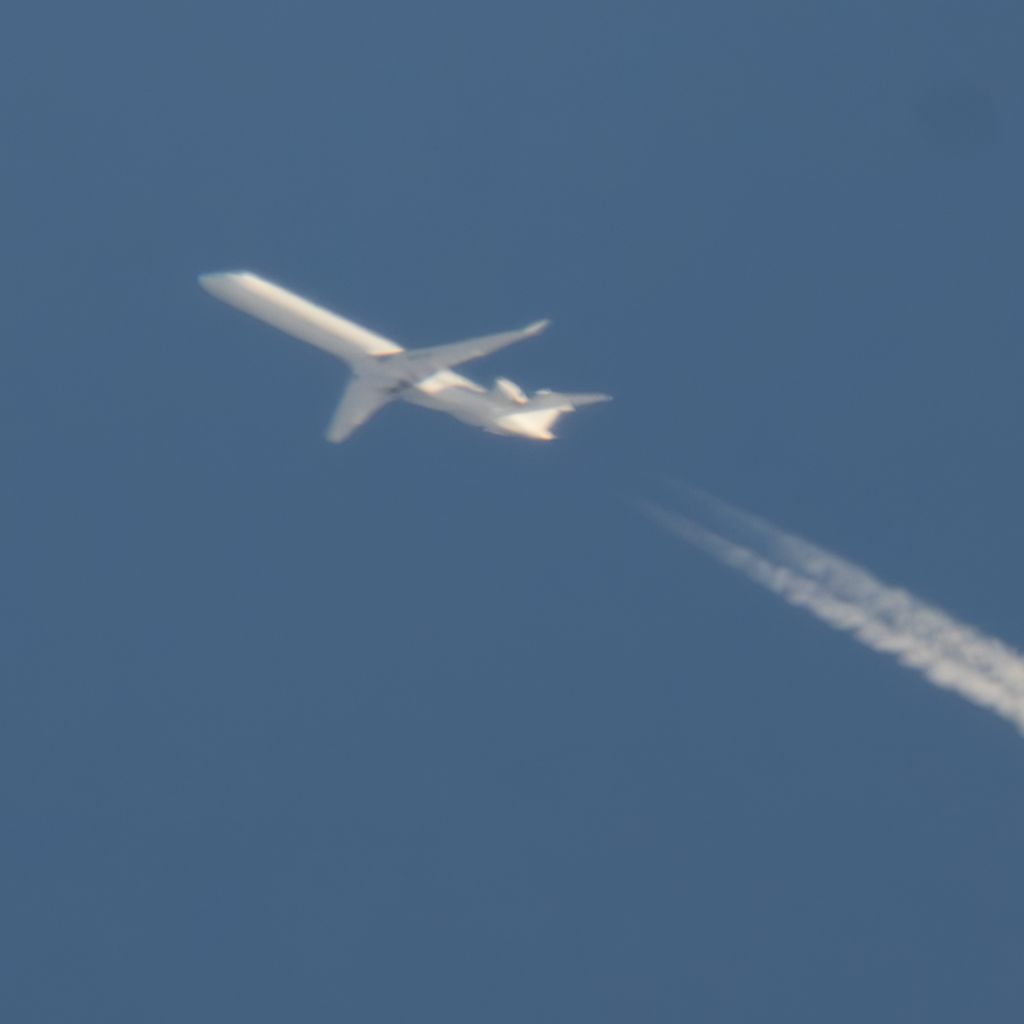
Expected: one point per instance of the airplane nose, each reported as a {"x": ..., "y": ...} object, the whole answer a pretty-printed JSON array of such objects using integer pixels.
[{"x": 212, "y": 282}]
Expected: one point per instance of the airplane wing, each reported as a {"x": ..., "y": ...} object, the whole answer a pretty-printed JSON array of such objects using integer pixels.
[
  {"x": 362, "y": 398},
  {"x": 426, "y": 361},
  {"x": 297, "y": 316}
]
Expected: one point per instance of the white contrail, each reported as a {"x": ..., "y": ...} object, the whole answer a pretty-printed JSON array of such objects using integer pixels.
[{"x": 946, "y": 652}]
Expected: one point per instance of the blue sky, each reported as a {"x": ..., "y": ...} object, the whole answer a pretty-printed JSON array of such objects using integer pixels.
[{"x": 434, "y": 725}]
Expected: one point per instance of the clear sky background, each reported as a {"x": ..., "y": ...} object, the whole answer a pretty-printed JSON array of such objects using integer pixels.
[{"x": 434, "y": 726}]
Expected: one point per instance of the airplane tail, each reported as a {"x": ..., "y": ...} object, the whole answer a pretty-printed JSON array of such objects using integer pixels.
[{"x": 538, "y": 415}]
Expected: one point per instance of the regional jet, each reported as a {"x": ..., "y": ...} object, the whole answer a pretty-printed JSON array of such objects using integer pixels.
[{"x": 384, "y": 372}]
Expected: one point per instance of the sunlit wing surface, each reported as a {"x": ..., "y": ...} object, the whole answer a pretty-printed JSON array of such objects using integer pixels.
[
  {"x": 362, "y": 398},
  {"x": 297, "y": 316},
  {"x": 444, "y": 357}
]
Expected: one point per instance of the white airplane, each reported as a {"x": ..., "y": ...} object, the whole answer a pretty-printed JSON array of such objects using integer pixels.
[{"x": 384, "y": 372}]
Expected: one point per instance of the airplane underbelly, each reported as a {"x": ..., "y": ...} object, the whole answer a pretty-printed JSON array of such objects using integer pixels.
[{"x": 469, "y": 406}]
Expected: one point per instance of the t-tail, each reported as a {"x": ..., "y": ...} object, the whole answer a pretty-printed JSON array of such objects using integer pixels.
[{"x": 536, "y": 417}]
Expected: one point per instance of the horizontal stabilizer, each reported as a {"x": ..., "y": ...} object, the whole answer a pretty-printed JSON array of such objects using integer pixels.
[
  {"x": 565, "y": 402},
  {"x": 297, "y": 316},
  {"x": 537, "y": 417},
  {"x": 535, "y": 423}
]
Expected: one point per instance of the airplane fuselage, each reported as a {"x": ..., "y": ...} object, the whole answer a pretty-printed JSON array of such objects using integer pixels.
[{"x": 383, "y": 371}]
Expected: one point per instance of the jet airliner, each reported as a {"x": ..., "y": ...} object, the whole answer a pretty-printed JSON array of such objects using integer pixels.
[{"x": 384, "y": 372}]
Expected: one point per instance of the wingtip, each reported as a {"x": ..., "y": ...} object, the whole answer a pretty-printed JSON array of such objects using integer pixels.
[{"x": 536, "y": 327}]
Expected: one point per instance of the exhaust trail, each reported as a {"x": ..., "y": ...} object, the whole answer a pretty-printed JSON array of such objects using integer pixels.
[{"x": 887, "y": 619}]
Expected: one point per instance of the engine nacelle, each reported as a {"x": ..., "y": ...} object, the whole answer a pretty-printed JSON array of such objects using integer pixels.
[{"x": 505, "y": 388}]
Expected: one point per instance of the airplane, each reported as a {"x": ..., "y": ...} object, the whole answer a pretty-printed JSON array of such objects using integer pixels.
[{"x": 384, "y": 372}]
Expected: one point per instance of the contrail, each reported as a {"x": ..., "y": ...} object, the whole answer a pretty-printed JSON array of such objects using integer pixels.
[{"x": 946, "y": 652}]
